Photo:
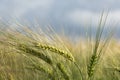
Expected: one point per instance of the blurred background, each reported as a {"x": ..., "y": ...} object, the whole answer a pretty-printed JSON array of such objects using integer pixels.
[{"x": 72, "y": 16}]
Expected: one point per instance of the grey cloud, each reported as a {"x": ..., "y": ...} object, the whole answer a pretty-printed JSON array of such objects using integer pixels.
[{"x": 54, "y": 11}]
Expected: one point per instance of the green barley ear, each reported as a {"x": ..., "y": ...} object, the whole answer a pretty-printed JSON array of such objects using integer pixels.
[
  {"x": 97, "y": 50},
  {"x": 93, "y": 60},
  {"x": 56, "y": 50},
  {"x": 63, "y": 70},
  {"x": 37, "y": 66},
  {"x": 91, "y": 66},
  {"x": 60, "y": 52},
  {"x": 27, "y": 49}
]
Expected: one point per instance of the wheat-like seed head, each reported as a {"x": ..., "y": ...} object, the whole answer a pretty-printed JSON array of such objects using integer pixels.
[
  {"x": 56, "y": 50},
  {"x": 34, "y": 52},
  {"x": 91, "y": 66},
  {"x": 38, "y": 67},
  {"x": 63, "y": 70}
]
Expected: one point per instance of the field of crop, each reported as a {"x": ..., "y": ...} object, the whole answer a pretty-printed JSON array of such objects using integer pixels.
[{"x": 29, "y": 55}]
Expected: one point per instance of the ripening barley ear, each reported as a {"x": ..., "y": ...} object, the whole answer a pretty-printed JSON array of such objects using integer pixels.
[
  {"x": 37, "y": 66},
  {"x": 94, "y": 58},
  {"x": 97, "y": 50},
  {"x": 56, "y": 50},
  {"x": 63, "y": 71},
  {"x": 27, "y": 49},
  {"x": 91, "y": 66},
  {"x": 60, "y": 52}
]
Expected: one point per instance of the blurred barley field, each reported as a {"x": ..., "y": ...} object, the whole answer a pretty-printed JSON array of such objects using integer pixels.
[{"x": 26, "y": 54}]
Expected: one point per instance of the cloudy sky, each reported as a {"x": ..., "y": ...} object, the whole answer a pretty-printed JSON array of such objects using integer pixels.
[{"x": 60, "y": 11}]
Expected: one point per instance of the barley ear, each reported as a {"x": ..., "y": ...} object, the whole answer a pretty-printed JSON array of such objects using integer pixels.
[{"x": 56, "y": 50}]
